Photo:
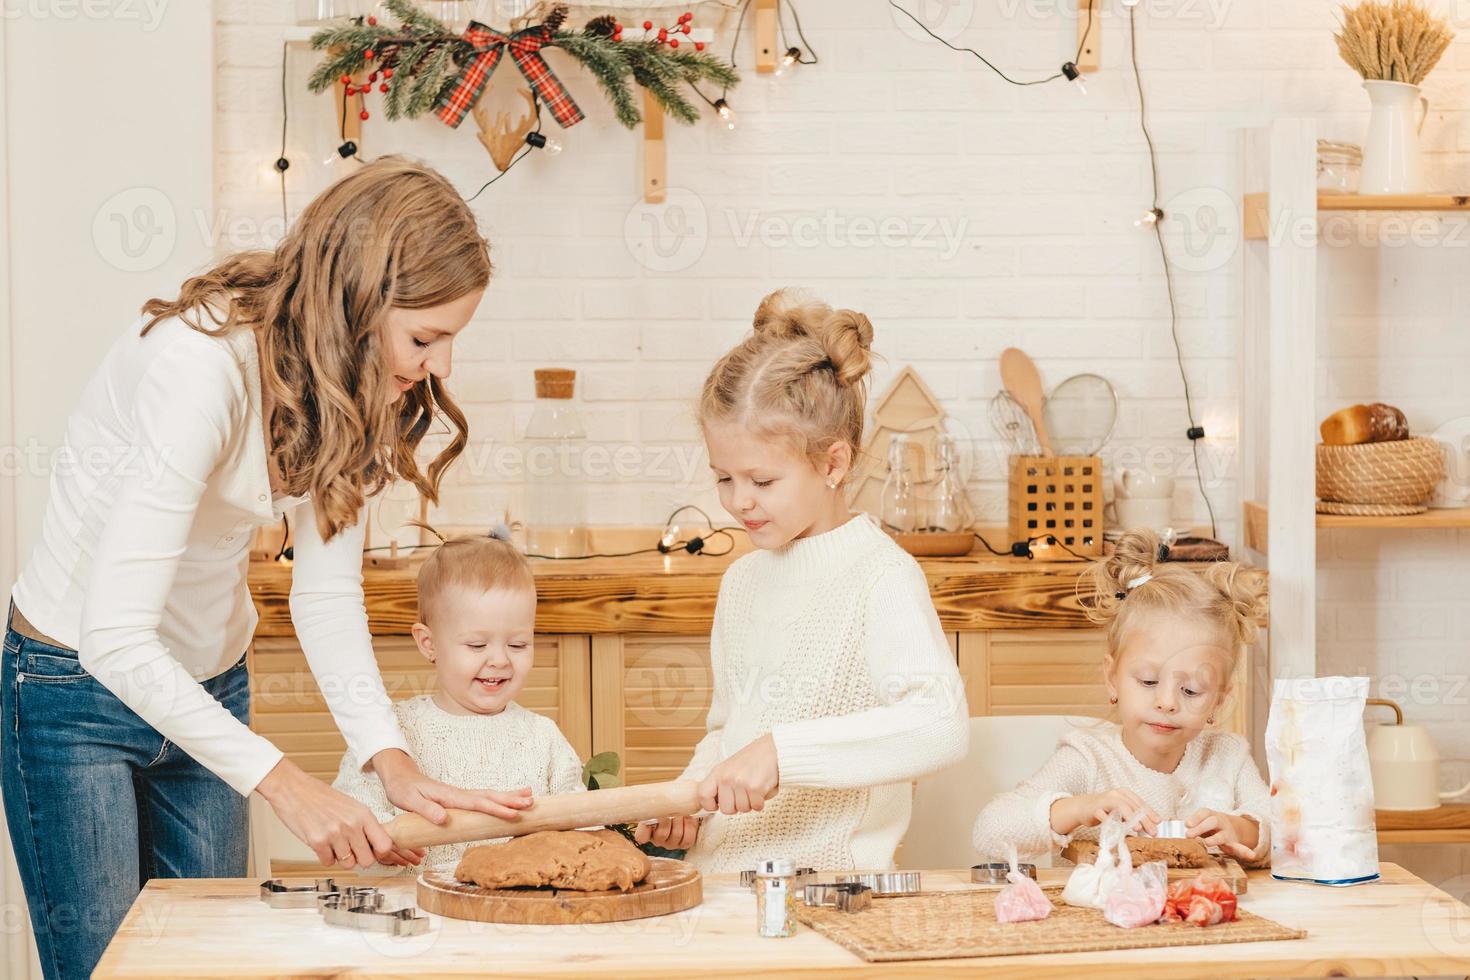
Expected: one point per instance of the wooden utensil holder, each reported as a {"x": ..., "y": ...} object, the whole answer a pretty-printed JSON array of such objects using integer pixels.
[{"x": 1058, "y": 495}]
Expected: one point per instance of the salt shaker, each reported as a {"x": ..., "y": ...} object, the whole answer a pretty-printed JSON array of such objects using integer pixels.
[{"x": 775, "y": 899}]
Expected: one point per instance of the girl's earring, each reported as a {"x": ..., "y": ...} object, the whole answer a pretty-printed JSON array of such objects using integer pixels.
[
  {"x": 831, "y": 484},
  {"x": 1112, "y": 700},
  {"x": 1210, "y": 720}
]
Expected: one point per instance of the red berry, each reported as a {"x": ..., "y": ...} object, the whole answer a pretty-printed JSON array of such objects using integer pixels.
[
  {"x": 698, "y": 45},
  {"x": 373, "y": 77},
  {"x": 350, "y": 90},
  {"x": 617, "y": 35},
  {"x": 345, "y": 79},
  {"x": 686, "y": 28},
  {"x": 685, "y": 17},
  {"x": 617, "y": 28},
  {"x": 387, "y": 72},
  {"x": 382, "y": 86},
  {"x": 363, "y": 114},
  {"x": 372, "y": 22},
  {"x": 648, "y": 25},
  {"x": 663, "y": 35},
  {"x": 369, "y": 54},
  {"x": 674, "y": 43}
]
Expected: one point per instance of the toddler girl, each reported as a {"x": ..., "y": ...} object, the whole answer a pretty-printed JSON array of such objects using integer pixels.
[
  {"x": 1174, "y": 633},
  {"x": 833, "y": 682},
  {"x": 477, "y": 611}
]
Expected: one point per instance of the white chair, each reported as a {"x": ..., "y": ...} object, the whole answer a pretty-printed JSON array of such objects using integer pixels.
[
  {"x": 270, "y": 841},
  {"x": 1004, "y": 750}
]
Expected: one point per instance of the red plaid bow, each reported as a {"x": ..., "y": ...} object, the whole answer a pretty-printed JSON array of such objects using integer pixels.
[{"x": 524, "y": 50}]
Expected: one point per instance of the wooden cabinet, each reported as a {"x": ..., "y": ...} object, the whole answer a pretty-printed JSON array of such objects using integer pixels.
[{"x": 651, "y": 694}]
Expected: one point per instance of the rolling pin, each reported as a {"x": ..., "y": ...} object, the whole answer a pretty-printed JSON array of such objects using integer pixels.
[{"x": 562, "y": 811}]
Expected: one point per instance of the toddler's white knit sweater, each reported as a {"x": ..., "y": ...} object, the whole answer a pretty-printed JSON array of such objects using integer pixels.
[
  {"x": 1216, "y": 773},
  {"x": 507, "y": 751},
  {"x": 832, "y": 645}
]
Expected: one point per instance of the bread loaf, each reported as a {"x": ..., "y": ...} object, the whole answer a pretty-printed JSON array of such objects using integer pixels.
[{"x": 1365, "y": 423}]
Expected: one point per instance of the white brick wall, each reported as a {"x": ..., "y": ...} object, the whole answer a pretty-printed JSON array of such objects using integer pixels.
[{"x": 1042, "y": 185}]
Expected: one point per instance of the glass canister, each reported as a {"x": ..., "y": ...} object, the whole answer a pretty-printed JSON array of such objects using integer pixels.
[
  {"x": 555, "y": 479},
  {"x": 900, "y": 501},
  {"x": 1339, "y": 167},
  {"x": 775, "y": 899},
  {"x": 948, "y": 506}
]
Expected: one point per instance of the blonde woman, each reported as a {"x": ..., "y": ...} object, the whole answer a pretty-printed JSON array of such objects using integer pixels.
[{"x": 294, "y": 382}]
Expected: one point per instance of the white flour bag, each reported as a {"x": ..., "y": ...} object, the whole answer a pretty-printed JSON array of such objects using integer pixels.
[{"x": 1322, "y": 826}]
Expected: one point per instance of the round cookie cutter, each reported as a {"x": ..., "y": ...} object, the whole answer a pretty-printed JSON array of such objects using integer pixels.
[
  {"x": 994, "y": 873},
  {"x": 845, "y": 896}
]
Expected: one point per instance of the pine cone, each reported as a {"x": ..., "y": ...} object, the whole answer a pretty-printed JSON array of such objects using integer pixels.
[
  {"x": 555, "y": 19},
  {"x": 601, "y": 26}
]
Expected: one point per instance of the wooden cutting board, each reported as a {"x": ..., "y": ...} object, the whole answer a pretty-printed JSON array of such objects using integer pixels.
[
  {"x": 1227, "y": 869},
  {"x": 672, "y": 886}
]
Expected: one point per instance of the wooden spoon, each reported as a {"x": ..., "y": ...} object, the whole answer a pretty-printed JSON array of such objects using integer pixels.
[{"x": 1018, "y": 374}]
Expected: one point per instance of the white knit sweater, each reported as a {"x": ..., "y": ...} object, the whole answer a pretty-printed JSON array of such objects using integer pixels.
[
  {"x": 506, "y": 751},
  {"x": 832, "y": 645},
  {"x": 1216, "y": 773}
]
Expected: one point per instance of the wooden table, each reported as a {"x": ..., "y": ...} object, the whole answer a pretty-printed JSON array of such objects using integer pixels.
[{"x": 220, "y": 928}]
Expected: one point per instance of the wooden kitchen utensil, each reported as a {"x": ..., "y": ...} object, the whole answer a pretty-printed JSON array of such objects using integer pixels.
[
  {"x": 672, "y": 886},
  {"x": 1018, "y": 373},
  {"x": 563, "y": 811}
]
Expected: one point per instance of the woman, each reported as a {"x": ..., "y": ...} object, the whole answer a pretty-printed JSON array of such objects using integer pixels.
[{"x": 293, "y": 382}]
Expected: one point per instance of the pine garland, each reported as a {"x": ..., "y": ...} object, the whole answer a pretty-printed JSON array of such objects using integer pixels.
[{"x": 426, "y": 59}]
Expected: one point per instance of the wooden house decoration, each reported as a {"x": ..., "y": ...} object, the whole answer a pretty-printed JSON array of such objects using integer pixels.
[{"x": 908, "y": 407}]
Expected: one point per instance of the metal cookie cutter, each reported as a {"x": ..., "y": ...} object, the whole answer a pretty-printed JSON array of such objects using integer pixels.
[
  {"x": 1171, "y": 828},
  {"x": 279, "y": 893},
  {"x": 802, "y": 876},
  {"x": 884, "y": 884},
  {"x": 355, "y": 897},
  {"x": 995, "y": 872},
  {"x": 338, "y": 910},
  {"x": 846, "y": 896}
]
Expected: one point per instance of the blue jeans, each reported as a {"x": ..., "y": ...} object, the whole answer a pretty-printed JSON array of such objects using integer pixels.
[{"x": 98, "y": 802}]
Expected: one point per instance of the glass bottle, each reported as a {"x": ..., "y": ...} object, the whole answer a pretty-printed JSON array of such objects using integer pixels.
[
  {"x": 949, "y": 507},
  {"x": 556, "y": 487},
  {"x": 775, "y": 899},
  {"x": 900, "y": 504}
]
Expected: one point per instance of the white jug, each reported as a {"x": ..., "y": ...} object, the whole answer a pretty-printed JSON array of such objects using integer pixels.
[
  {"x": 1392, "y": 163},
  {"x": 1405, "y": 765}
]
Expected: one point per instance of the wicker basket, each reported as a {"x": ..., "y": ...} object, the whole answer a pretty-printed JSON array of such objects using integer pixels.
[{"x": 1400, "y": 473}]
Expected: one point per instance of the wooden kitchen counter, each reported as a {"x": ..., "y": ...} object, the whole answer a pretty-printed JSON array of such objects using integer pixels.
[
  {"x": 676, "y": 594},
  {"x": 1400, "y": 925}
]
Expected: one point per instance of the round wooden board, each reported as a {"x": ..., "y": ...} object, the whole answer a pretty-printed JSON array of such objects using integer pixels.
[{"x": 672, "y": 886}]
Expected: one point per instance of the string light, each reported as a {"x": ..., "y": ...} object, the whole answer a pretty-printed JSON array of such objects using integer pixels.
[
  {"x": 543, "y": 142},
  {"x": 1150, "y": 217},
  {"x": 722, "y": 108},
  {"x": 791, "y": 58},
  {"x": 346, "y": 151},
  {"x": 1072, "y": 74}
]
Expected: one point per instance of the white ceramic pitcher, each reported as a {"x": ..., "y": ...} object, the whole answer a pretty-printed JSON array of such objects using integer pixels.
[
  {"x": 1392, "y": 163},
  {"x": 1405, "y": 765}
]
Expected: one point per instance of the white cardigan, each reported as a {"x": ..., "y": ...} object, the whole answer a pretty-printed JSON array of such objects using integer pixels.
[{"x": 142, "y": 557}]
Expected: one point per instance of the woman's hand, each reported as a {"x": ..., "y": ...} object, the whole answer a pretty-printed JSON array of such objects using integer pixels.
[
  {"x": 1236, "y": 836},
  {"x": 674, "y": 833},
  {"x": 341, "y": 831},
  {"x": 408, "y": 789},
  {"x": 744, "y": 781},
  {"x": 1091, "y": 809}
]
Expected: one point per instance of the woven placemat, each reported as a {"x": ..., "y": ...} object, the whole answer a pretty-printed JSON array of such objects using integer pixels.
[
  {"x": 1370, "y": 510},
  {"x": 950, "y": 925}
]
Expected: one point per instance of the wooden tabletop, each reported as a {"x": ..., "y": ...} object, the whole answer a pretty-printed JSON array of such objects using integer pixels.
[
  {"x": 676, "y": 594},
  {"x": 219, "y": 928}
]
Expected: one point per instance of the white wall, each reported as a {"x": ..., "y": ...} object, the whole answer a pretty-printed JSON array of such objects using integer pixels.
[
  {"x": 108, "y": 110},
  {"x": 1044, "y": 185}
]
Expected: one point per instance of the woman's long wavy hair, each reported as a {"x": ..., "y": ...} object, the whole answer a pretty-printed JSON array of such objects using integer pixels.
[{"x": 394, "y": 233}]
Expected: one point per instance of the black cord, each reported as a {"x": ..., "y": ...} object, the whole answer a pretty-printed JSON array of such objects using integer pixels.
[
  {"x": 1023, "y": 548},
  {"x": 285, "y": 536},
  {"x": 1153, "y": 162},
  {"x": 806, "y": 46},
  {"x": 987, "y": 62},
  {"x": 285, "y": 103},
  {"x": 513, "y": 161}
]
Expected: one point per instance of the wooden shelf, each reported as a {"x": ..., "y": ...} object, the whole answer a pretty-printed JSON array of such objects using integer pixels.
[
  {"x": 1448, "y": 824},
  {"x": 1256, "y": 218},
  {"x": 1446, "y": 518}
]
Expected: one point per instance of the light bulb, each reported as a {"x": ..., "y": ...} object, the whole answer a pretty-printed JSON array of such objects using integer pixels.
[
  {"x": 722, "y": 108},
  {"x": 1150, "y": 217},
  {"x": 543, "y": 142},
  {"x": 1074, "y": 75},
  {"x": 346, "y": 151},
  {"x": 789, "y": 60},
  {"x": 670, "y": 538}
]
